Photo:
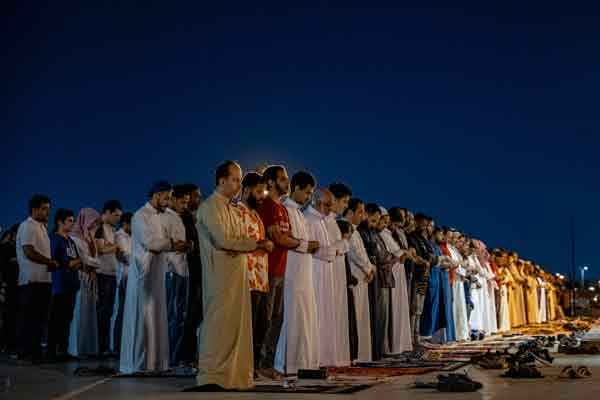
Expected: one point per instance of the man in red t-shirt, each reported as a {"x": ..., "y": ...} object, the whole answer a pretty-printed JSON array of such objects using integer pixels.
[{"x": 277, "y": 224}]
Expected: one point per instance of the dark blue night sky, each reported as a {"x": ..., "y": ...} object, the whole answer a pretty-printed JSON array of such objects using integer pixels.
[{"x": 485, "y": 117}]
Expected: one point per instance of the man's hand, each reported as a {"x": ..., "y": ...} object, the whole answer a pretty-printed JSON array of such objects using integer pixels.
[
  {"x": 51, "y": 265},
  {"x": 266, "y": 245},
  {"x": 75, "y": 264},
  {"x": 313, "y": 246},
  {"x": 190, "y": 245},
  {"x": 180, "y": 246}
]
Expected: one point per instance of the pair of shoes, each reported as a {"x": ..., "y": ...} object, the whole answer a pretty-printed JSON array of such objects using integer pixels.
[
  {"x": 491, "y": 360},
  {"x": 523, "y": 371},
  {"x": 575, "y": 373},
  {"x": 453, "y": 382},
  {"x": 457, "y": 382}
]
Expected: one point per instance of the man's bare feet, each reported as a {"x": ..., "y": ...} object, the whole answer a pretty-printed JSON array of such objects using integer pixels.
[{"x": 270, "y": 373}]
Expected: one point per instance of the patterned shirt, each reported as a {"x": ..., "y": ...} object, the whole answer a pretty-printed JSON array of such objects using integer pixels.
[{"x": 258, "y": 262}]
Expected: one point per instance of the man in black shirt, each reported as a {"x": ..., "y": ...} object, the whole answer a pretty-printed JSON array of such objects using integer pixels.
[
  {"x": 193, "y": 317},
  {"x": 379, "y": 288},
  {"x": 425, "y": 259}
]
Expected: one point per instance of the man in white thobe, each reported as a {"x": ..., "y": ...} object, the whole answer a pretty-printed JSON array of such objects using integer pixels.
[
  {"x": 225, "y": 355},
  {"x": 323, "y": 275},
  {"x": 145, "y": 341},
  {"x": 401, "y": 339},
  {"x": 298, "y": 345},
  {"x": 341, "y": 196},
  {"x": 459, "y": 305},
  {"x": 362, "y": 269}
]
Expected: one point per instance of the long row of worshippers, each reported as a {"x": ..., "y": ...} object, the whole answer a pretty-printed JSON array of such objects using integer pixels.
[{"x": 267, "y": 276}]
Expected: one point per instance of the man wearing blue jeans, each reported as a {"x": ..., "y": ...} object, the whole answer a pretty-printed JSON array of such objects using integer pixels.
[
  {"x": 177, "y": 279},
  {"x": 106, "y": 275}
]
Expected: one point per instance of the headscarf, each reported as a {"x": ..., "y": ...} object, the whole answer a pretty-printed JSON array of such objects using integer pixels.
[
  {"x": 481, "y": 252},
  {"x": 85, "y": 219},
  {"x": 80, "y": 230}
]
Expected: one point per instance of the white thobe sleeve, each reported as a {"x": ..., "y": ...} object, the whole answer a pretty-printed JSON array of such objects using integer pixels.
[
  {"x": 354, "y": 254},
  {"x": 145, "y": 232},
  {"x": 123, "y": 245}
]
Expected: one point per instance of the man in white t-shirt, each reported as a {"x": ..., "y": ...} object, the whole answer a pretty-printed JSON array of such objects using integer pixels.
[
  {"x": 35, "y": 278},
  {"x": 107, "y": 273},
  {"x": 177, "y": 272},
  {"x": 123, "y": 240}
]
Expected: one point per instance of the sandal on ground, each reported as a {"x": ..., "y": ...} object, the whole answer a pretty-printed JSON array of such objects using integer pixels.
[
  {"x": 456, "y": 382},
  {"x": 523, "y": 372}
]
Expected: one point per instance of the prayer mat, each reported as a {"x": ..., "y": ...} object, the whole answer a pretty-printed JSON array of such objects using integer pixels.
[
  {"x": 324, "y": 389},
  {"x": 172, "y": 373},
  {"x": 383, "y": 372}
]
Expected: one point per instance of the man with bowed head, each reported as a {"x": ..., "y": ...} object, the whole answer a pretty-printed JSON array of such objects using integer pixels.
[
  {"x": 225, "y": 358},
  {"x": 145, "y": 340}
]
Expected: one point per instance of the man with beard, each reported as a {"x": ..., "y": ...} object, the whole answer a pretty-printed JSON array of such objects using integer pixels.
[
  {"x": 425, "y": 259},
  {"x": 379, "y": 288},
  {"x": 106, "y": 275},
  {"x": 364, "y": 271},
  {"x": 177, "y": 271},
  {"x": 276, "y": 220},
  {"x": 298, "y": 345},
  {"x": 253, "y": 194},
  {"x": 193, "y": 315},
  {"x": 341, "y": 196},
  {"x": 145, "y": 339},
  {"x": 400, "y": 335},
  {"x": 225, "y": 358},
  {"x": 323, "y": 275},
  {"x": 35, "y": 266}
]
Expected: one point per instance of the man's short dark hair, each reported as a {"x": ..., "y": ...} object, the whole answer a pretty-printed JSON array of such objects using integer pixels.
[
  {"x": 38, "y": 200},
  {"x": 61, "y": 216},
  {"x": 126, "y": 218},
  {"x": 271, "y": 173},
  {"x": 372, "y": 208},
  {"x": 345, "y": 226},
  {"x": 302, "y": 180},
  {"x": 223, "y": 171},
  {"x": 189, "y": 187},
  {"x": 396, "y": 214},
  {"x": 252, "y": 179},
  {"x": 179, "y": 191},
  {"x": 340, "y": 190},
  {"x": 112, "y": 206},
  {"x": 421, "y": 217},
  {"x": 353, "y": 205}
]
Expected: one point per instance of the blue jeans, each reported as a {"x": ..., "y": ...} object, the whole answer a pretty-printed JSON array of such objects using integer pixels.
[
  {"x": 177, "y": 298},
  {"x": 107, "y": 290}
]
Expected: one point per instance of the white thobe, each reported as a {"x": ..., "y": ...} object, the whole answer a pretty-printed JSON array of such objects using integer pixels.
[
  {"x": 123, "y": 241},
  {"x": 459, "y": 305},
  {"x": 298, "y": 345},
  {"x": 503, "y": 312},
  {"x": 340, "y": 292},
  {"x": 543, "y": 309},
  {"x": 400, "y": 318},
  {"x": 83, "y": 334},
  {"x": 145, "y": 340},
  {"x": 490, "y": 299},
  {"x": 476, "y": 319},
  {"x": 360, "y": 266},
  {"x": 323, "y": 277},
  {"x": 175, "y": 230}
]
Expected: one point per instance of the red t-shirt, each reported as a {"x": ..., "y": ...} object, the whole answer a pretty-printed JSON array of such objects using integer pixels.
[{"x": 274, "y": 214}]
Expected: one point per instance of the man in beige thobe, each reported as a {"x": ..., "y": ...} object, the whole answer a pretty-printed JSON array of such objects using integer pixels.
[{"x": 225, "y": 354}]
